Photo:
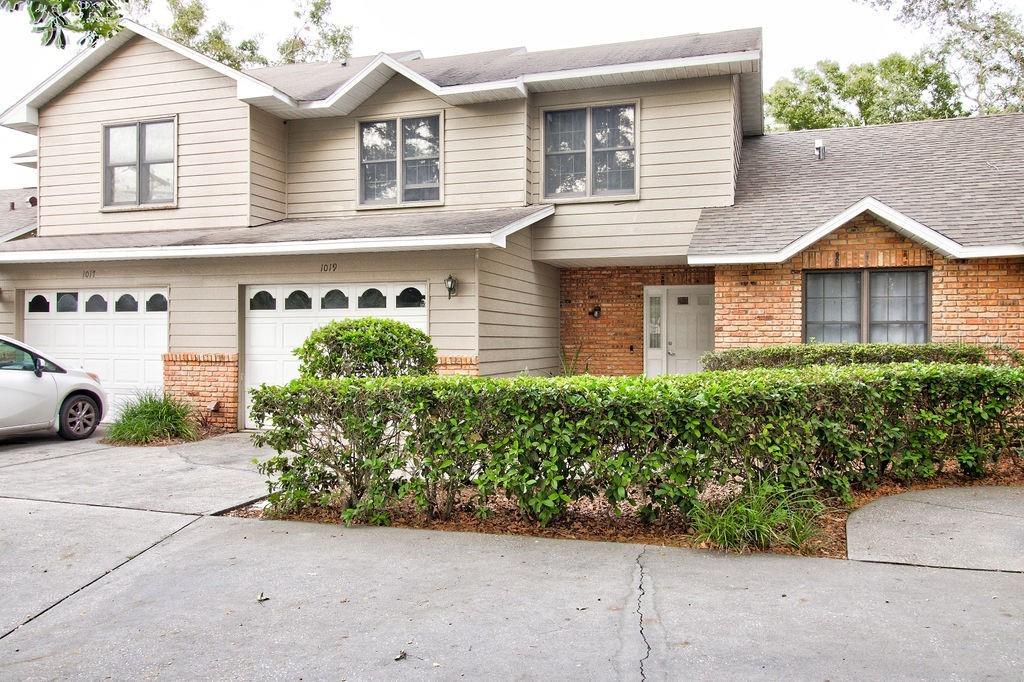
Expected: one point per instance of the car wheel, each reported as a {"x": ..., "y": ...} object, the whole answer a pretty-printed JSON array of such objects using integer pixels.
[{"x": 79, "y": 416}]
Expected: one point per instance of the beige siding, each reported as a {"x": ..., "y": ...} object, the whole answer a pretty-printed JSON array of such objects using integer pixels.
[
  {"x": 145, "y": 80},
  {"x": 204, "y": 293},
  {"x": 518, "y": 311},
  {"x": 8, "y": 314},
  {"x": 686, "y": 147},
  {"x": 737, "y": 130},
  {"x": 268, "y": 167},
  {"x": 484, "y": 153}
]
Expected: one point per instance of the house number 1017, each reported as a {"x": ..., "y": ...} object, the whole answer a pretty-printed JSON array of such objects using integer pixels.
[
  {"x": 88, "y": 274},
  {"x": 328, "y": 267}
]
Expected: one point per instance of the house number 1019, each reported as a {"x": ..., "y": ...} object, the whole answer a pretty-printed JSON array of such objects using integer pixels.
[{"x": 328, "y": 267}]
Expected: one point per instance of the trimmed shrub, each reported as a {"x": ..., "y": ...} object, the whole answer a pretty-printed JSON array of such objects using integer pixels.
[
  {"x": 152, "y": 417},
  {"x": 806, "y": 354},
  {"x": 653, "y": 445},
  {"x": 366, "y": 347}
]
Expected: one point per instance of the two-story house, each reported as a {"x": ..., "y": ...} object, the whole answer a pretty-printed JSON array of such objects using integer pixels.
[{"x": 617, "y": 206}]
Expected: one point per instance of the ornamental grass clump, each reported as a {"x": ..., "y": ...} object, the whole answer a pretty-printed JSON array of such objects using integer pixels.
[
  {"x": 153, "y": 417},
  {"x": 763, "y": 515}
]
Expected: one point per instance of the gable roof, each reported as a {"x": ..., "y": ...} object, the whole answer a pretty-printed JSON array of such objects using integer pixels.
[
  {"x": 22, "y": 219},
  {"x": 952, "y": 184},
  {"x": 332, "y": 89}
]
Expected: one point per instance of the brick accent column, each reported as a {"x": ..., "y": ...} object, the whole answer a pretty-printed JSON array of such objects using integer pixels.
[
  {"x": 207, "y": 380},
  {"x": 458, "y": 364}
]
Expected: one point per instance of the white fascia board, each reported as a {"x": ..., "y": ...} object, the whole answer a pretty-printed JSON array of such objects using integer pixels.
[
  {"x": 499, "y": 236},
  {"x": 898, "y": 221},
  {"x": 635, "y": 67},
  {"x": 17, "y": 233},
  {"x": 463, "y": 241}
]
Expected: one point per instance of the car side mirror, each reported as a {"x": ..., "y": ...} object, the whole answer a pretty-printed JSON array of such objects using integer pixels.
[{"x": 39, "y": 365}]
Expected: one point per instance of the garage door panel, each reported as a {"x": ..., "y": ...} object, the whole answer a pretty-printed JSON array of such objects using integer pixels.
[{"x": 125, "y": 348}]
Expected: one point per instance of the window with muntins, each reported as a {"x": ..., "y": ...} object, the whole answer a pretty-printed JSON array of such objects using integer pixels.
[
  {"x": 590, "y": 152},
  {"x": 139, "y": 164},
  {"x": 877, "y": 306},
  {"x": 400, "y": 161}
]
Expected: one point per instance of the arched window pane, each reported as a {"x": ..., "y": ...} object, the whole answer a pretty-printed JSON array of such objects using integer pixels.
[
  {"x": 298, "y": 300},
  {"x": 262, "y": 301},
  {"x": 157, "y": 303},
  {"x": 96, "y": 304},
  {"x": 411, "y": 297},
  {"x": 335, "y": 299},
  {"x": 372, "y": 298},
  {"x": 126, "y": 303},
  {"x": 39, "y": 304},
  {"x": 67, "y": 302}
]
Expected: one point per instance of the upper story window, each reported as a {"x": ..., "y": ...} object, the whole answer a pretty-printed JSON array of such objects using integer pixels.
[
  {"x": 590, "y": 152},
  {"x": 877, "y": 306},
  {"x": 400, "y": 161},
  {"x": 138, "y": 160}
]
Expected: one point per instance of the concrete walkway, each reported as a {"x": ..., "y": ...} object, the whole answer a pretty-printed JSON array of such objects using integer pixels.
[{"x": 976, "y": 528}]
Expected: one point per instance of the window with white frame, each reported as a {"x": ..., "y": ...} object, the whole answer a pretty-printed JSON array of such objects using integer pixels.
[
  {"x": 867, "y": 306},
  {"x": 139, "y": 163},
  {"x": 400, "y": 160},
  {"x": 590, "y": 151}
]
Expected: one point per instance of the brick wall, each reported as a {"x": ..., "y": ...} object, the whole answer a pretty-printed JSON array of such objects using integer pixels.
[
  {"x": 614, "y": 343},
  {"x": 978, "y": 300},
  {"x": 458, "y": 364},
  {"x": 203, "y": 379}
]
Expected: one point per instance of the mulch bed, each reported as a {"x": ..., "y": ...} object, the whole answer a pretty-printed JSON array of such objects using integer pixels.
[{"x": 594, "y": 520}]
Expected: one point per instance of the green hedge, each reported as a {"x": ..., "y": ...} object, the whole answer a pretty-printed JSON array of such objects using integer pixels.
[
  {"x": 806, "y": 354},
  {"x": 651, "y": 444}
]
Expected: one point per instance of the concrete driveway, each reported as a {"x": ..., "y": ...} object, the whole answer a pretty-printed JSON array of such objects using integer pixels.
[{"x": 102, "y": 591}]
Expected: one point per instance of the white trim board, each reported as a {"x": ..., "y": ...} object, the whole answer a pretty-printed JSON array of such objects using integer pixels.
[{"x": 898, "y": 221}]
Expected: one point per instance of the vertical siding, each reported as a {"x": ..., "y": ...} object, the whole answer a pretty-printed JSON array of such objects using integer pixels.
[
  {"x": 268, "y": 167},
  {"x": 484, "y": 153},
  {"x": 686, "y": 144},
  {"x": 145, "y": 80},
  {"x": 519, "y": 314}
]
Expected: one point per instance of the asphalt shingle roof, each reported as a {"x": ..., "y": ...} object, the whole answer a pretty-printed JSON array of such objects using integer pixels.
[
  {"x": 362, "y": 226},
  {"x": 24, "y": 214},
  {"x": 963, "y": 178},
  {"x": 315, "y": 81}
]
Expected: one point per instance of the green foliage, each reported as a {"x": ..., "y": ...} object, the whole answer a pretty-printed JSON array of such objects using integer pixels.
[
  {"x": 366, "y": 347},
  {"x": 762, "y": 516},
  {"x": 153, "y": 417},
  {"x": 805, "y": 354},
  {"x": 893, "y": 90},
  {"x": 652, "y": 445},
  {"x": 315, "y": 39},
  {"x": 94, "y": 19},
  {"x": 188, "y": 20}
]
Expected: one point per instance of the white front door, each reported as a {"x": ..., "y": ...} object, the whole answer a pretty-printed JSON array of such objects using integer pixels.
[
  {"x": 120, "y": 334},
  {"x": 679, "y": 328},
  {"x": 278, "y": 318}
]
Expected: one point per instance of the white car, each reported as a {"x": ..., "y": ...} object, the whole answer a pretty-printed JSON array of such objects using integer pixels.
[{"x": 37, "y": 393}]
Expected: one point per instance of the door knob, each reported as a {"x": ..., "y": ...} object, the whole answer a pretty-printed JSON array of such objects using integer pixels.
[{"x": 671, "y": 352}]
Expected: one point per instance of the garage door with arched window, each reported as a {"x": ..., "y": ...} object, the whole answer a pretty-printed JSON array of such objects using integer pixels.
[{"x": 278, "y": 318}]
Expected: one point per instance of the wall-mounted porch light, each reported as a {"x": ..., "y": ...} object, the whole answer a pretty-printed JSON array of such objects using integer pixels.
[
  {"x": 595, "y": 312},
  {"x": 451, "y": 285}
]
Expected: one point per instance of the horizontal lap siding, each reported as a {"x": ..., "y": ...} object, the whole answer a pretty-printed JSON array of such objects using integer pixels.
[
  {"x": 268, "y": 169},
  {"x": 145, "y": 80},
  {"x": 518, "y": 311},
  {"x": 484, "y": 153},
  {"x": 686, "y": 146},
  {"x": 204, "y": 292}
]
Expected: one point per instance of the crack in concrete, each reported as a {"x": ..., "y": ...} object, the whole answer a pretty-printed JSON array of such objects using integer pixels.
[
  {"x": 640, "y": 613},
  {"x": 967, "y": 509},
  {"x": 102, "y": 506},
  {"x": 96, "y": 579}
]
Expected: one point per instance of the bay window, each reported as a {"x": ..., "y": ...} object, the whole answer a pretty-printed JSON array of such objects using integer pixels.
[
  {"x": 400, "y": 161},
  {"x": 861, "y": 306},
  {"x": 139, "y": 164},
  {"x": 590, "y": 152}
]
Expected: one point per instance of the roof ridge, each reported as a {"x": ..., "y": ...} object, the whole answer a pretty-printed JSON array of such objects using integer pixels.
[{"x": 973, "y": 117}]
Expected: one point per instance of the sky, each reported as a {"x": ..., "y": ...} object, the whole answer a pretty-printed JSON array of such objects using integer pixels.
[{"x": 796, "y": 33}]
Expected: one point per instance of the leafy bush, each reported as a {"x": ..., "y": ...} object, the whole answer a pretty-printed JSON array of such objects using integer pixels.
[
  {"x": 366, "y": 347},
  {"x": 653, "y": 445},
  {"x": 152, "y": 417},
  {"x": 806, "y": 354},
  {"x": 763, "y": 515}
]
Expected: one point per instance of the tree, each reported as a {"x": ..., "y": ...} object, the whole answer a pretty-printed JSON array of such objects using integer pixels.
[
  {"x": 315, "y": 39},
  {"x": 188, "y": 18},
  {"x": 894, "y": 89},
  {"x": 982, "y": 42},
  {"x": 54, "y": 19}
]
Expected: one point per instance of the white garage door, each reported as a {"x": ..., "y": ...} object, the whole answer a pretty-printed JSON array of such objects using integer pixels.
[
  {"x": 120, "y": 334},
  {"x": 279, "y": 318}
]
